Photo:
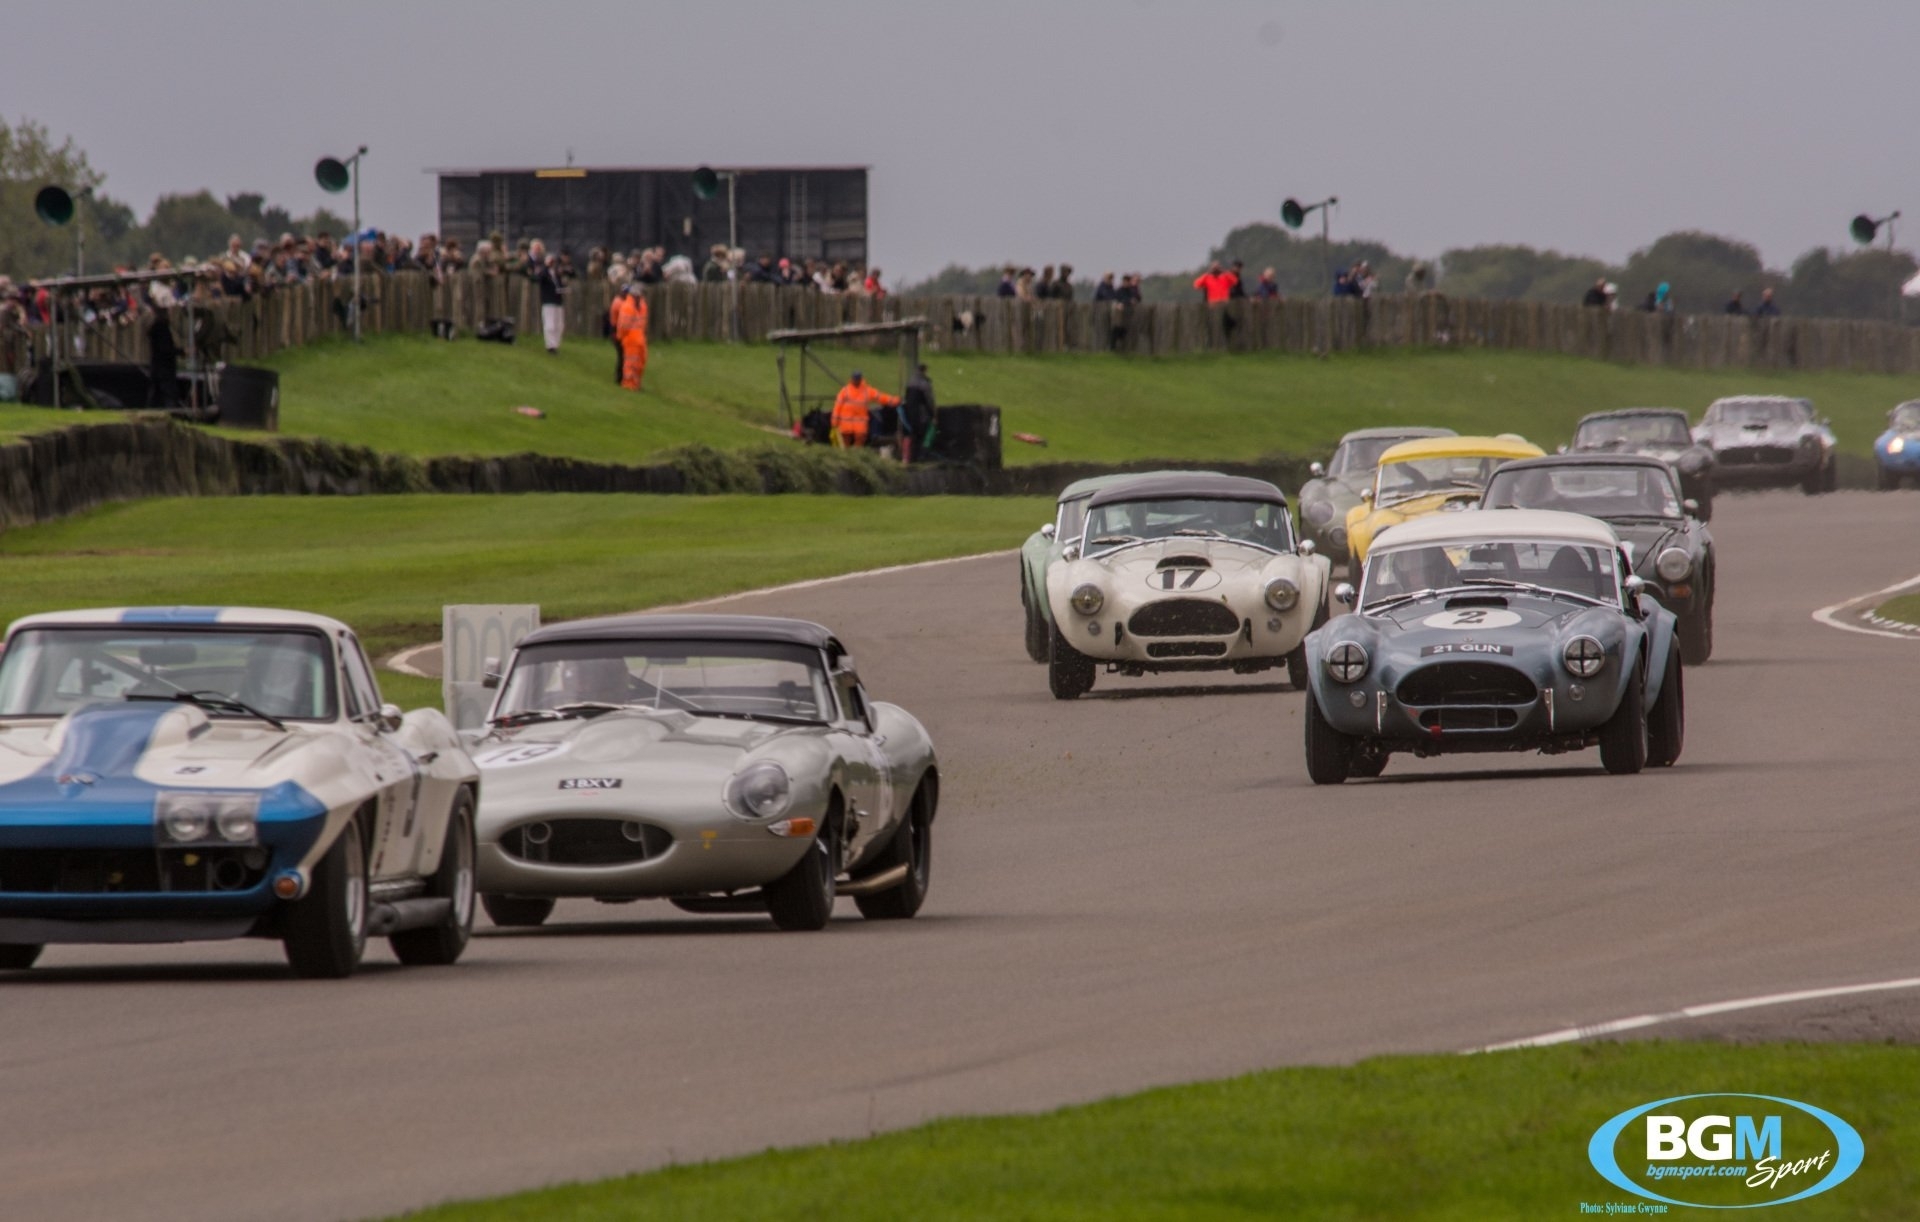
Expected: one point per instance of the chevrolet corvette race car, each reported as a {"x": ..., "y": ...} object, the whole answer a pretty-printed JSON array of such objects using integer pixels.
[
  {"x": 172, "y": 774},
  {"x": 1327, "y": 498},
  {"x": 1498, "y": 630},
  {"x": 1044, "y": 546},
  {"x": 1897, "y": 451},
  {"x": 1671, "y": 550},
  {"x": 1193, "y": 571},
  {"x": 1434, "y": 475},
  {"x": 1769, "y": 441},
  {"x": 1657, "y": 432},
  {"x": 727, "y": 763}
]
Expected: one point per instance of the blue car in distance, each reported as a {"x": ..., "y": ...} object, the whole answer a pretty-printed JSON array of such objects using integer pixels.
[{"x": 1897, "y": 451}]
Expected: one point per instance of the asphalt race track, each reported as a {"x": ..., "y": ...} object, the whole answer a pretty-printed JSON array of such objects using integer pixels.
[{"x": 1135, "y": 889}]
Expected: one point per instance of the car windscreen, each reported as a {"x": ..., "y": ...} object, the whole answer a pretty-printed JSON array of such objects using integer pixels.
[
  {"x": 48, "y": 672},
  {"x": 1906, "y": 418},
  {"x": 1264, "y": 523},
  {"x": 1073, "y": 515},
  {"x": 1648, "y": 430},
  {"x": 1577, "y": 568},
  {"x": 1758, "y": 411},
  {"x": 741, "y": 678},
  {"x": 1598, "y": 492},
  {"x": 1413, "y": 477},
  {"x": 1360, "y": 454}
]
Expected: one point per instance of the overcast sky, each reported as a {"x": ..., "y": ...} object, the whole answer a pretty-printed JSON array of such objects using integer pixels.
[{"x": 1108, "y": 133}]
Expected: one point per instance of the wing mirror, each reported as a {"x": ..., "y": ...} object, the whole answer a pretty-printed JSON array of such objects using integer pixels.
[
  {"x": 1366, "y": 494},
  {"x": 390, "y": 717},
  {"x": 1317, "y": 469},
  {"x": 1345, "y": 594},
  {"x": 490, "y": 674},
  {"x": 1070, "y": 552},
  {"x": 1691, "y": 506},
  {"x": 1308, "y": 547},
  {"x": 1046, "y": 532}
]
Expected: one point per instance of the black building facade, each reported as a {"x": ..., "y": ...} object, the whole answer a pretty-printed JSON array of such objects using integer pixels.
[{"x": 802, "y": 212}]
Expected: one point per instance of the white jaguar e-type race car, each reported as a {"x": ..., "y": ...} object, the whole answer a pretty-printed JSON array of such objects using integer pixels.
[
  {"x": 1191, "y": 571},
  {"x": 727, "y": 763}
]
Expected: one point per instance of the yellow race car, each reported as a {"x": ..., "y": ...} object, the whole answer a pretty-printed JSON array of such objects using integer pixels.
[{"x": 1425, "y": 476}]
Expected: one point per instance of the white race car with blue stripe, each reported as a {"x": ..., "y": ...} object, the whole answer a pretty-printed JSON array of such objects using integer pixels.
[{"x": 172, "y": 774}]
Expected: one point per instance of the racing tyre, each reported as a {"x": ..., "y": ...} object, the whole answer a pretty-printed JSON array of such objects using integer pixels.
[
  {"x": 1831, "y": 482},
  {"x": 442, "y": 944},
  {"x": 1815, "y": 482},
  {"x": 1036, "y": 627},
  {"x": 516, "y": 911},
  {"x": 1696, "y": 635},
  {"x": 1365, "y": 765},
  {"x": 1297, "y": 660},
  {"x": 1889, "y": 481},
  {"x": 1667, "y": 722},
  {"x": 1623, "y": 739},
  {"x": 802, "y": 898},
  {"x": 326, "y": 932},
  {"x": 911, "y": 846},
  {"x": 1329, "y": 752},
  {"x": 1069, "y": 672},
  {"x": 18, "y": 956}
]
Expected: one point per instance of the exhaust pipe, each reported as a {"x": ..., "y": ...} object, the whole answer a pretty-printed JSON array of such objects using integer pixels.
[{"x": 886, "y": 880}]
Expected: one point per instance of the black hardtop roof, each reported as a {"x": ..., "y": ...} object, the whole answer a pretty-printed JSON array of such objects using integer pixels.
[
  {"x": 1192, "y": 485},
  {"x": 1409, "y": 431},
  {"x": 687, "y": 628},
  {"x": 1634, "y": 411},
  {"x": 1582, "y": 460}
]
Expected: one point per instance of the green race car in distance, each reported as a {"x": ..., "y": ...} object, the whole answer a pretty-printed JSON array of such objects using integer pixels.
[
  {"x": 1336, "y": 486},
  {"x": 1044, "y": 546}
]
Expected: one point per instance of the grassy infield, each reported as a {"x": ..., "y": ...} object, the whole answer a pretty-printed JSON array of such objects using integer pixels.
[{"x": 1493, "y": 1136}]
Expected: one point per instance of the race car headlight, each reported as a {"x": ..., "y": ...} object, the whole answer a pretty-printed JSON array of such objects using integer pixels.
[
  {"x": 1896, "y": 445},
  {"x": 1673, "y": 564},
  {"x": 1339, "y": 536},
  {"x": 760, "y": 791},
  {"x": 1346, "y": 662},
  {"x": 1320, "y": 513},
  {"x": 1087, "y": 599},
  {"x": 182, "y": 817},
  {"x": 1584, "y": 657},
  {"x": 1282, "y": 594}
]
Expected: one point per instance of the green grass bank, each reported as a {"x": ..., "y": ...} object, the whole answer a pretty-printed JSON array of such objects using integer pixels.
[
  {"x": 386, "y": 564},
  {"x": 1433, "y": 1137},
  {"x": 416, "y": 396}
]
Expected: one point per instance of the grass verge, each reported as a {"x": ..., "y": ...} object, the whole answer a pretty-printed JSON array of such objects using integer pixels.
[
  {"x": 411, "y": 395},
  {"x": 1905, "y": 609},
  {"x": 387, "y": 564},
  {"x": 1496, "y": 1136}
]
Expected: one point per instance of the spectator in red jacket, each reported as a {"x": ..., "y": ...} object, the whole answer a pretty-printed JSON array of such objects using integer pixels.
[{"x": 1216, "y": 283}]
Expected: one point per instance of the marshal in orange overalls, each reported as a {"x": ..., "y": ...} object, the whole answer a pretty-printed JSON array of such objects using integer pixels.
[
  {"x": 850, "y": 408},
  {"x": 629, "y": 315}
]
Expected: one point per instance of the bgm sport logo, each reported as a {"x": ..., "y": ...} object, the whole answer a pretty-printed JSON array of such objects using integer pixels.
[{"x": 1723, "y": 1151}]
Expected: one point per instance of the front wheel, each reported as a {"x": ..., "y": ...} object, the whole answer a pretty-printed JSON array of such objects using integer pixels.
[
  {"x": 1667, "y": 723},
  {"x": 1069, "y": 672},
  {"x": 442, "y": 944},
  {"x": 1623, "y": 739},
  {"x": 18, "y": 956},
  {"x": 1696, "y": 634},
  {"x": 912, "y": 847},
  {"x": 1889, "y": 480},
  {"x": 1329, "y": 752},
  {"x": 326, "y": 931},
  {"x": 1297, "y": 660},
  {"x": 1815, "y": 482},
  {"x": 802, "y": 898},
  {"x": 1036, "y": 637},
  {"x": 516, "y": 911}
]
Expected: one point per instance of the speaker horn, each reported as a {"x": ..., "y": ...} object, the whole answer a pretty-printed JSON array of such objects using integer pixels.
[
  {"x": 53, "y": 204},
  {"x": 1863, "y": 229},
  {"x": 706, "y": 182},
  {"x": 1293, "y": 214},
  {"x": 332, "y": 174}
]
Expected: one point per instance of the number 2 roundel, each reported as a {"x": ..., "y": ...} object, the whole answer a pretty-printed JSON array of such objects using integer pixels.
[{"x": 1466, "y": 619}]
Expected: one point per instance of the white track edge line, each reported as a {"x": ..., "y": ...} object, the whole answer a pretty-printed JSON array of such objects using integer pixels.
[
  {"x": 1568, "y": 1035},
  {"x": 1830, "y": 615},
  {"x": 403, "y": 660}
]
